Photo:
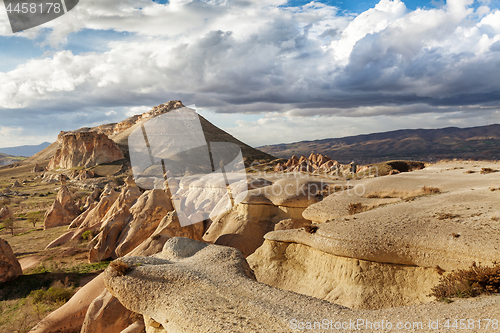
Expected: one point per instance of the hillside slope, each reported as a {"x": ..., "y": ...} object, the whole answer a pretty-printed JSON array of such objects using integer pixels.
[
  {"x": 120, "y": 132},
  {"x": 420, "y": 144}
]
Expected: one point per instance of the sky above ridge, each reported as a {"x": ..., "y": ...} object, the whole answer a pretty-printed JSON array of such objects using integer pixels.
[{"x": 267, "y": 71}]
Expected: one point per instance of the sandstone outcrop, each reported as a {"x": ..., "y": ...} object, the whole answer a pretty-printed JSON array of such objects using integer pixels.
[
  {"x": 131, "y": 221},
  {"x": 146, "y": 215},
  {"x": 317, "y": 164},
  {"x": 97, "y": 210},
  {"x": 93, "y": 197},
  {"x": 62, "y": 211},
  {"x": 9, "y": 266},
  {"x": 389, "y": 256},
  {"x": 195, "y": 287},
  {"x": 244, "y": 226},
  {"x": 169, "y": 227},
  {"x": 5, "y": 213},
  {"x": 85, "y": 149},
  {"x": 107, "y": 315}
]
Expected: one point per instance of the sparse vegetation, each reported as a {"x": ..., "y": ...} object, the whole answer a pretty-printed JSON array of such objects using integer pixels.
[
  {"x": 405, "y": 195},
  {"x": 430, "y": 190},
  {"x": 485, "y": 171},
  {"x": 311, "y": 229},
  {"x": 35, "y": 217},
  {"x": 358, "y": 207},
  {"x": 446, "y": 216},
  {"x": 57, "y": 294},
  {"x": 120, "y": 267},
  {"x": 472, "y": 282},
  {"x": 10, "y": 224},
  {"x": 88, "y": 235}
]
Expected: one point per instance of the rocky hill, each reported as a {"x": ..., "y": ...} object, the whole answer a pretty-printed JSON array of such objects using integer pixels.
[
  {"x": 88, "y": 147},
  {"x": 421, "y": 144}
]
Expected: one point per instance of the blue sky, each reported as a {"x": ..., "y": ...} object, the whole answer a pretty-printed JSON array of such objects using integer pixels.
[{"x": 267, "y": 71}]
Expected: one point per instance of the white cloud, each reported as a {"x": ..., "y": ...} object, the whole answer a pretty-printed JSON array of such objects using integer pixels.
[
  {"x": 253, "y": 57},
  {"x": 19, "y": 136},
  {"x": 280, "y": 128}
]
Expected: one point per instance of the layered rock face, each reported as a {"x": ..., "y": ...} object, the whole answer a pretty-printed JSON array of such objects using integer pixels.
[
  {"x": 391, "y": 255},
  {"x": 62, "y": 211},
  {"x": 132, "y": 219},
  {"x": 195, "y": 287},
  {"x": 281, "y": 203},
  {"x": 85, "y": 149},
  {"x": 9, "y": 266}
]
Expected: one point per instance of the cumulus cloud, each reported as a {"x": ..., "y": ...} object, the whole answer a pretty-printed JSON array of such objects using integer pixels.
[{"x": 236, "y": 56}]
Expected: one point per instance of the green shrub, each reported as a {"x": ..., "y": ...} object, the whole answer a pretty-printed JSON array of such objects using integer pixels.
[
  {"x": 88, "y": 235},
  {"x": 57, "y": 294}
]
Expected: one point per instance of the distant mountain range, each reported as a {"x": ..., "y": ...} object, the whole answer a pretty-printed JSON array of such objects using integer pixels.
[
  {"x": 25, "y": 151},
  {"x": 421, "y": 144}
]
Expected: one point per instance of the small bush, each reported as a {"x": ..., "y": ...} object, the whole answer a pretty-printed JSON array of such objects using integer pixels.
[
  {"x": 469, "y": 283},
  {"x": 120, "y": 267},
  {"x": 446, "y": 216},
  {"x": 430, "y": 190},
  {"x": 485, "y": 171},
  {"x": 355, "y": 208},
  {"x": 88, "y": 235},
  {"x": 401, "y": 194},
  {"x": 311, "y": 229},
  {"x": 35, "y": 217},
  {"x": 57, "y": 294},
  {"x": 10, "y": 224}
]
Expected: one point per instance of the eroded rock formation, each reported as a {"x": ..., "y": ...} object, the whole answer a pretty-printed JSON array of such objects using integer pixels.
[
  {"x": 84, "y": 149},
  {"x": 9, "y": 266},
  {"x": 316, "y": 163},
  {"x": 245, "y": 225},
  {"x": 195, "y": 287},
  {"x": 62, "y": 211},
  {"x": 390, "y": 254}
]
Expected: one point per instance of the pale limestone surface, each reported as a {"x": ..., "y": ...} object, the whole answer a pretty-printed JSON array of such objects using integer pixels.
[
  {"x": 388, "y": 256},
  {"x": 194, "y": 287},
  {"x": 357, "y": 284}
]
